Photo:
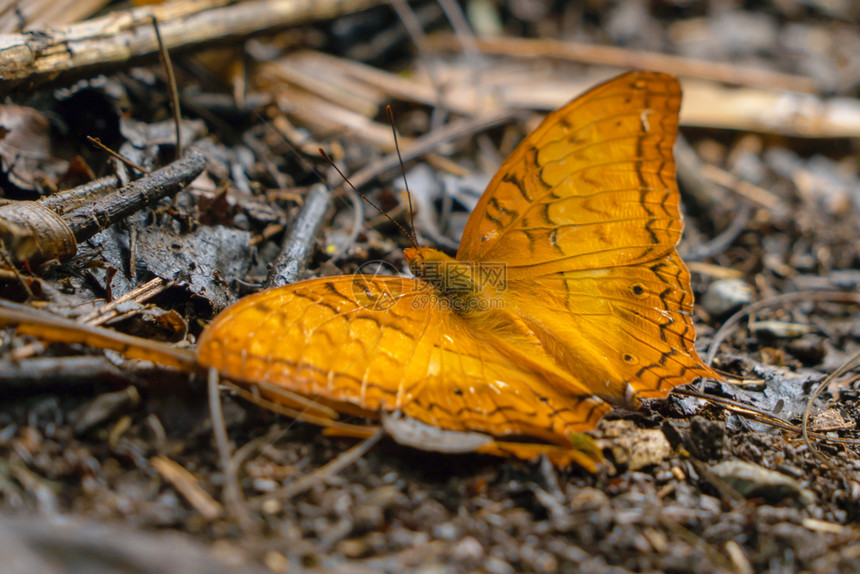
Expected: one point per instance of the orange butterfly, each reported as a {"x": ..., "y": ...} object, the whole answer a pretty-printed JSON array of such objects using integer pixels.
[{"x": 566, "y": 295}]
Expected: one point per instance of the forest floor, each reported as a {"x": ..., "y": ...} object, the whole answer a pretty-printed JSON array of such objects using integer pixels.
[{"x": 109, "y": 464}]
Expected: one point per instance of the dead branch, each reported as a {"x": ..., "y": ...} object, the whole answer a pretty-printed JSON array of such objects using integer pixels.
[
  {"x": 624, "y": 58},
  {"x": 298, "y": 246},
  {"x": 127, "y": 36},
  {"x": 88, "y": 220}
]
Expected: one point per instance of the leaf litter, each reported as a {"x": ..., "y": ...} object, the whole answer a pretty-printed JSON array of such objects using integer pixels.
[{"x": 132, "y": 448}]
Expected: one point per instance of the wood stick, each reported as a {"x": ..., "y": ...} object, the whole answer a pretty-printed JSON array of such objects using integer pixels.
[
  {"x": 615, "y": 56},
  {"x": 49, "y": 327},
  {"x": 123, "y": 37},
  {"x": 298, "y": 246},
  {"x": 188, "y": 485},
  {"x": 65, "y": 201},
  {"x": 88, "y": 220},
  {"x": 327, "y": 93}
]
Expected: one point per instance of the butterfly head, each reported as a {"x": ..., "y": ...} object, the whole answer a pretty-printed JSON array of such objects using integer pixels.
[
  {"x": 435, "y": 267},
  {"x": 421, "y": 259}
]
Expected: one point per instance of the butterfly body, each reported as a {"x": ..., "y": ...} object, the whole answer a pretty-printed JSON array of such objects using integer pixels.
[
  {"x": 465, "y": 287},
  {"x": 566, "y": 295}
]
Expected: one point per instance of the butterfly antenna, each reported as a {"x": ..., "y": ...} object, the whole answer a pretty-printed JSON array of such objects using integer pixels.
[
  {"x": 365, "y": 198},
  {"x": 402, "y": 169}
]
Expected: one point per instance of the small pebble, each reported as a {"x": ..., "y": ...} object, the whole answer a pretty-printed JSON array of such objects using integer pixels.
[
  {"x": 725, "y": 296},
  {"x": 779, "y": 329},
  {"x": 468, "y": 549},
  {"x": 446, "y": 531},
  {"x": 754, "y": 481},
  {"x": 495, "y": 566}
]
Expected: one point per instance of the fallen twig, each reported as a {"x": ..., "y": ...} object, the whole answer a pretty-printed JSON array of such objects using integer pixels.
[
  {"x": 332, "y": 467},
  {"x": 88, "y": 220},
  {"x": 188, "y": 485},
  {"x": 298, "y": 246},
  {"x": 34, "y": 232},
  {"x": 232, "y": 491},
  {"x": 624, "y": 58},
  {"x": 123, "y": 37}
]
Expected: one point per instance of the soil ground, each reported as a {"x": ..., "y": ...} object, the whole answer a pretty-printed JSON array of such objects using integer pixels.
[{"x": 109, "y": 465}]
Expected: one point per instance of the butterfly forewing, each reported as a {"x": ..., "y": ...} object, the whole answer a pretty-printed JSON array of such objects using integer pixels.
[{"x": 592, "y": 187}]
